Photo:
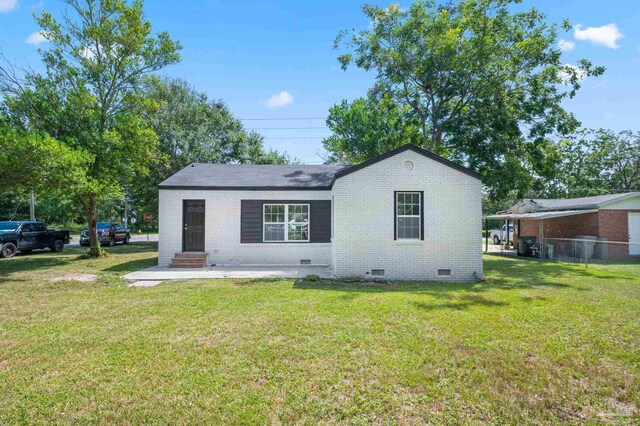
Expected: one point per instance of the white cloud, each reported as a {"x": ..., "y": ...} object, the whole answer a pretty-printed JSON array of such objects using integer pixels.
[
  {"x": 566, "y": 45},
  {"x": 36, "y": 38},
  {"x": 281, "y": 99},
  {"x": 606, "y": 35},
  {"x": 7, "y": 5},
  {"x": 568, "y": 72}
]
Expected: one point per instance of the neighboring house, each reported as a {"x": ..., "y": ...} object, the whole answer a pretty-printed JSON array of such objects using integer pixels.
[
  {"x": 613, "y": 217},
  {"x": 406, "y": 214}
]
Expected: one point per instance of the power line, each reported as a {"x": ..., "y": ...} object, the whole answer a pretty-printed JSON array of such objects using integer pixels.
[
  {"x": 280, "y": 119},
  {"x": 288, "y": 128},
  {"x": 303, "y": 137}
]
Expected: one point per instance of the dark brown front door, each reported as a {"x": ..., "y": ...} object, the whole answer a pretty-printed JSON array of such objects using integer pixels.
[{"x": 193, "y": 221}]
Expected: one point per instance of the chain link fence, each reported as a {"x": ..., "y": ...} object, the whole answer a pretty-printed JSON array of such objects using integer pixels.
[{"x": 590, "y": 250}]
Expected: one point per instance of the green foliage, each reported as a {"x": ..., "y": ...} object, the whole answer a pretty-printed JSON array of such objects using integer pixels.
[
  {"x": 368, "y": 127},
  {"x": 594, "y": 162},
  {"x": 90, "y": 98},
  {"x": 483, "y": 83},
  {"x": 191, "y": 128},
  {"x": 37, "y": 161}
]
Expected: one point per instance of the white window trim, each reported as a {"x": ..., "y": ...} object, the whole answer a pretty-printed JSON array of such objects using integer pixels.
[
  {"x": 286, "y": 223},
  {"x": 398, "y": 216}
]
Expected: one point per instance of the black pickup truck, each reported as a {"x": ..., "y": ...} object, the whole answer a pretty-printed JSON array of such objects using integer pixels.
[{"x": 28, "y": 236}]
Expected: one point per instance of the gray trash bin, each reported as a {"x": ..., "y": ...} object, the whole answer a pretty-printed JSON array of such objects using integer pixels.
[
  {"x": 524, "y": 245},
  {"x": 550, "y": 249},
  {"x": 585, "y": 246}
]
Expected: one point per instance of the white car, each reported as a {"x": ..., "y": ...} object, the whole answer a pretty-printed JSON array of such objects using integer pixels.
[{"x": 499, "y": 235}]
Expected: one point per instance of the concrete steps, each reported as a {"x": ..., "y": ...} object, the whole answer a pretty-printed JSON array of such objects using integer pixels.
[{"x": 189, "y": 260}]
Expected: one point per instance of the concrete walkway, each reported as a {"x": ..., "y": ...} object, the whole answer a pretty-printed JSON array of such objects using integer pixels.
[
  {"x": 161, "y": 273},
  {"x": 499, "y": 249}
]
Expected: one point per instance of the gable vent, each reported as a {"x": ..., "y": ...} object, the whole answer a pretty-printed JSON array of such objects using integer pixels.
[
  {"x": 444, "y": 272},
  {"x": 377, "y": 272},
  {"x": 305, "y": 261}
]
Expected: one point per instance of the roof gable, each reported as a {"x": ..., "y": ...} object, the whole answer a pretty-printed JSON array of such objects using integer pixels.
[{"x": 408, "y": 147}]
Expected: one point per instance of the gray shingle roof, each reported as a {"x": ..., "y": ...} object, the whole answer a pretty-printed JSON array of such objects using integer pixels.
[
  {"x": 252, "y": 176},
  {"x": 581, "y": 203},
  {"x": 274, "y": 177}
]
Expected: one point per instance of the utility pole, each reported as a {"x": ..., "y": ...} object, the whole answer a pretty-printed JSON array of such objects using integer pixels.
[
  {"x": 126, "y": 216},
  {"x": 32, "y": 206}
]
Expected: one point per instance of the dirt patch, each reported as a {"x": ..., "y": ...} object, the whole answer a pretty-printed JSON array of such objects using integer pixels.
[{"x": 85, "y": 278}]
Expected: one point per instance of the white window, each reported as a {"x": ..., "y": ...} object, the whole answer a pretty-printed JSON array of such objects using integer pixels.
[
  {"x": 286, "y": 222},
  {"x": 408, "y": 208}
]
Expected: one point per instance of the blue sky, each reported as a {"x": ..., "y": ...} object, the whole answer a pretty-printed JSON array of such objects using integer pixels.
[{"x": 249, "y": 52}]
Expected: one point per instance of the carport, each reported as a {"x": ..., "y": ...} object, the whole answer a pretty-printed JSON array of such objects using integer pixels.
[{"x": 540, "y": 217}]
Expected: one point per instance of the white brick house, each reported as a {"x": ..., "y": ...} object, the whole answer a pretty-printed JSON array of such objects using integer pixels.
[{"x": 407, "y": 214}]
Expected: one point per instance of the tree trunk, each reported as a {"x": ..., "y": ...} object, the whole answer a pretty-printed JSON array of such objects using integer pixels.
[
  {"x": 90, "y": 208},
  {"x": 436, "y": 142}
]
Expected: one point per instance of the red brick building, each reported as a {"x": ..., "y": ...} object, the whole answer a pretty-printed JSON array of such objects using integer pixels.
[{"x": 613, "y": 217}]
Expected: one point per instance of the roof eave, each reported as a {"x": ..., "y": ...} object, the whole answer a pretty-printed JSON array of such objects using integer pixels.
[
  {"x": 617, "y": 200},
  {"x": 542, "y": 215},
  {"x": 242, "y": 188}
]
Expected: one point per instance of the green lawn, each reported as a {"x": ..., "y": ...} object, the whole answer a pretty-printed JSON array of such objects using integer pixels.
[{"x": 534, "y": 343}]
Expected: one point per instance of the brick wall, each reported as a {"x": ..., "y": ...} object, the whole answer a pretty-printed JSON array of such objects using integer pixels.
[
  {"x": 610, "y": 224},
  {"x": 364, "y": 221},
  {"x": 528, "y": 228},
  {"x": 614, "y": 224},
  {"x": 363, "y": 224},
  {"x": 222, "y": 228},
  {"x": 563, "y": 227}
]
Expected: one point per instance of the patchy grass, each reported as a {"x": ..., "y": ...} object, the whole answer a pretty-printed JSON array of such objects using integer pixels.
[{"x": 534, "y": 343}]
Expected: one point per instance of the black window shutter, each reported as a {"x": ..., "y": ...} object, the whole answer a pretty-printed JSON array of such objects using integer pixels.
[
  {"x": 422, "y": 215},
  {"x": 251, "y": 219},
  {"x": 395, "y": 215}
]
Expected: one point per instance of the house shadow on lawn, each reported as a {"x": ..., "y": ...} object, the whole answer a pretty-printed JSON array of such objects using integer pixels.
[
  {"x": 500, "y": 273},
  {"x": 461, "y": 303},
  {"x": 442, "y": 296},
  {"x": 133, "y": 265}
]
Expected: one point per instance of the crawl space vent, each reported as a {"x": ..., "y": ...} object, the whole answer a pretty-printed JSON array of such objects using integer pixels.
[
  {"x": 377, "y": 272},
  {"x": 444, "y": 272},
  {"x": 305, "y": 261}
]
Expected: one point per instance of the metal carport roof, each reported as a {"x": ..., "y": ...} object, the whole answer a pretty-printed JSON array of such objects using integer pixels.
[{"x": 539, "y": 215}]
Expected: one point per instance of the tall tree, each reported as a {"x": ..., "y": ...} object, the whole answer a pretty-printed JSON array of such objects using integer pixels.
[
  {"x": 479, "y": 78},
  {"x": 35, "y": 162},
  {"x": 90, "y": 98},
  {"x": 597, "y": 161},
  {"x": 193, "y": 128},
  {"x": 30, "y": 160},
  {"x": 367, "y": 127}
]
